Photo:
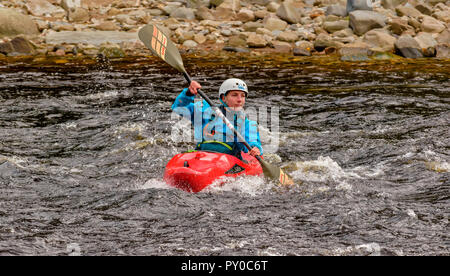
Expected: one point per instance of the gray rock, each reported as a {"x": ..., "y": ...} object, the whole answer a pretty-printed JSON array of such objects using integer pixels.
[
  {"x": 298, "y": 51},
  {"x": 355, "y": 5},
  {"x": 13, "y": 23},
  {"x": 70, "y": 5},
  {"x": 88, "y": 37},
  {"x": 183, "y": 13},
  {"x": 337, "y": 10},
  {"x": 190, "y": 44},
  {"x": 236, "y": 49},
  {"x": 354, "y": 54},
  {"x": 290, "y": 12},
  {"x": 426, "y": 40},
  {"x": 444, "y": 37},
  {"x": 275, "y": 24},
  {"x": 252, "y": 26},
  {"x": 408, "y": 47},
  {"x": 443, "y": 51},
  {"x": 334, "y": 26},
  {"x": 379, "y": 40},
  {"x": 364, "y": 21},
  {"x": 43, "y": 7},
  {"x": 323, "y": 41},
  {"x": 256, "y": 41}
]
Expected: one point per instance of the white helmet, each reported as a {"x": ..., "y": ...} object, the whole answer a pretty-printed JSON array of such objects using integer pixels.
[{"x": 232, "y": 84}]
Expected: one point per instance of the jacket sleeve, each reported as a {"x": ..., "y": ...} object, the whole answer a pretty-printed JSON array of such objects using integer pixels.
[
  {"x": 252, "y": 136},
  {"x": 184, "y": 105}
]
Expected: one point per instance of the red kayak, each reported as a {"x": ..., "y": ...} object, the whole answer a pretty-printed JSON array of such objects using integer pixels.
[{"x": 194, "y": 171}]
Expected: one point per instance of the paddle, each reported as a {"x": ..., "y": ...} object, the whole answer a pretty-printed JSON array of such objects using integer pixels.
[{"x": 161, "y": 46}]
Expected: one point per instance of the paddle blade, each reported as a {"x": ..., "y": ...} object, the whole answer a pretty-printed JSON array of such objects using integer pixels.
[
  {"x": 160, "y": 45},
  {"x": 275, "y": 173}
]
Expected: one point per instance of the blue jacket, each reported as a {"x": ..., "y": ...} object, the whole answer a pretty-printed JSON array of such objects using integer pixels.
[{"x": 209, "y": 127}]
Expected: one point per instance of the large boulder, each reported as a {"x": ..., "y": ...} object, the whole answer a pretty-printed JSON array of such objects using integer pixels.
[
  {"x": 444, "y": 37},
  {"x": 13, "y": 23},
  {"x": 43, "y": 7},
  {"x": 408, "y": 47},
  {"x": 290, "y": 11},
  {"x": 443, "y": 51},
  {"x": 364, "y": 21},
  {"x": 431, "y": 25},
  {"x": 426, "y": 40},
  {"x": 18, "y": 45},
  {"x": 408, "y": 11},
  {"x": 380, "y": 41}
]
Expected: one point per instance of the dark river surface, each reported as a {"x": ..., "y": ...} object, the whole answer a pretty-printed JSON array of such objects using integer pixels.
[{"x": 83, "y": 148}]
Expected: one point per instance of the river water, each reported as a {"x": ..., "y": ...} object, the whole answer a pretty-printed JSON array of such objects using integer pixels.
[{"x": 83, "y": 148}]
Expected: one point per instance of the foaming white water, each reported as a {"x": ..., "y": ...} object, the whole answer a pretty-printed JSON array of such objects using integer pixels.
[
  {"x": 154, "y": 183},
  {"x": 246, "y": 185},
  {"x": 322, "y": 169}
]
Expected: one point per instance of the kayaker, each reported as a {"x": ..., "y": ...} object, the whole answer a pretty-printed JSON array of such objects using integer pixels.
[{"x": 211, "y": 130}]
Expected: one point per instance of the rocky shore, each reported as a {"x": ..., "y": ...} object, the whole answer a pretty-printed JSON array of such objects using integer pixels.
[{"x": 356, "y": 31}]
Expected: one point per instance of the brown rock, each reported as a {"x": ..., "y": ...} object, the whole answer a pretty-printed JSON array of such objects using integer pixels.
[
  {"x": 324, "y": 40},
  {"x": 288, "y": 36},
  {"x": 408, "y": 11},
  {"x": 107, "y": 26},
  {"x": 6, "y": 48},
  {"x": 275, "y": 24},
  {"x": 245, "y": 15},
  {"x": 380, "y": 41},
  {"x": 13, "y": 23},
  {"x": 79, "y": 15},
  {"x": 203, "y": 13},
  {"x": 236, "y": 41},
  {"x": 424, "y": 8},
  {"x": 256, "y": 41},
  {"x": 298, "y": 51},
  {"x": 95, "y": 4},
  {"x": 23, "y": 46},
  {"x": 444, "y": 37},
  {"x": 281, "y": 46},
  {"x": 399, "y": 25},
  {"x": 443, "y": 51},
  {"x": 290, "y": 11},
  {"x": 200, "y": 38},
  {"x": 43, "y": 7},
  {"x": 431, "y": 25}
]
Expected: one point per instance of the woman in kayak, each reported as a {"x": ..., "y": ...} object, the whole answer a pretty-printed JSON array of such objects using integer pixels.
[{"x": 210, "y": 130}]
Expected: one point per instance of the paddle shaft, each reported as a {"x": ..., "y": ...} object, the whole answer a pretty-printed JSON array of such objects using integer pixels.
[{"x": 220, "y": 114}]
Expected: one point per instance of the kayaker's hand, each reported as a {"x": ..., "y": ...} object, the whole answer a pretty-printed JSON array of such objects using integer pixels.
[
  {"x": 193, "y": 87},
  {"x": 255, "y": 152}
]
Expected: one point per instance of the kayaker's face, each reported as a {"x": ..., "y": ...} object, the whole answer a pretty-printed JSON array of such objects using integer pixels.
[{"x": 235, "y": 99}]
